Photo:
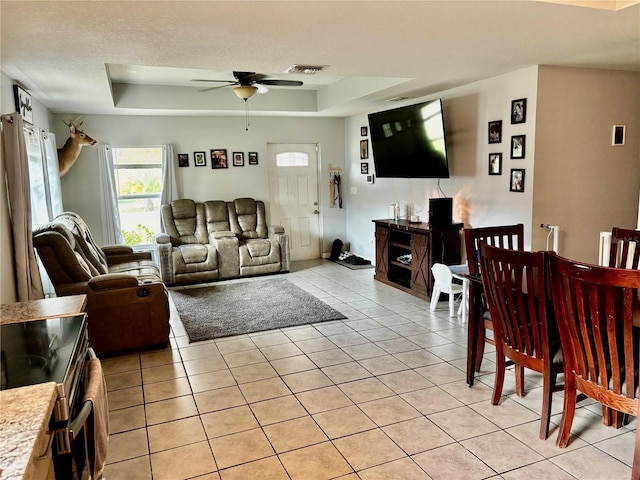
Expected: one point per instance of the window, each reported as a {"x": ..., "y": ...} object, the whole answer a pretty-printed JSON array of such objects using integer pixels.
[
  {"x": 292, "y": 159},
  {"x": 138, "y": 175}
]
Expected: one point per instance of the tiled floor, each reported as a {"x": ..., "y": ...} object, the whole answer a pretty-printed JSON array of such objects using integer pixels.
[{"x": 379, "y": 395}]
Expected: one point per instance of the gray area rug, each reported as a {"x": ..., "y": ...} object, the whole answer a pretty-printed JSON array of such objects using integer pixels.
[{"x": 237, "y": 308}]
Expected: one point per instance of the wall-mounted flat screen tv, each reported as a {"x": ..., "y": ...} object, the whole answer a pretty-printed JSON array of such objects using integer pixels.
[{"x": 409, "y": 142}]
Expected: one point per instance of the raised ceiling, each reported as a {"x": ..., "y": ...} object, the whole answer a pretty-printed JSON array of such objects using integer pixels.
[{"x": 139, "y": 57}]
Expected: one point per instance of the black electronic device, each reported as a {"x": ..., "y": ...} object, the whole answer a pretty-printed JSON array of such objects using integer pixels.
[
  {"x": 440, "y": 212},
  {"x": 409, "y": 142}
]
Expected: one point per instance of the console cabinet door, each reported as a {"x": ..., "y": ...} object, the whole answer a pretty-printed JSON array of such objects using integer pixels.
[
  {"x": 420, "y": 267},
  {"x": 382, "y": 252}
]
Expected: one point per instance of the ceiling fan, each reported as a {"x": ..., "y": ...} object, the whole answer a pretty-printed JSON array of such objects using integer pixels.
[{"x": 248, "y": 83}]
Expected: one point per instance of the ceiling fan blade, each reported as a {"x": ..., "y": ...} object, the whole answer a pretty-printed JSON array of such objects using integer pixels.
[
  {"x": 209, "y": 80},
  {"x": 216, "y": 87},
  {"x": 281, "y": 83},
  {"x": 261, "y": 88}
]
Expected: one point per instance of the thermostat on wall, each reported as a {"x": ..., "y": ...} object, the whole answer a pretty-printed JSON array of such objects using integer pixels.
[{"x": 370, "y": 178}]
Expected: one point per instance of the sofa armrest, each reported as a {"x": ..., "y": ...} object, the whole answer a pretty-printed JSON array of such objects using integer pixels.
[
  {"x": 162, "y": 251},
  {"x": 273, "y": 229},
  {"x": 112, "y": 281},
  {"x": 221, "y": 234},
  {"x": 161, "y": 238},
  {"x": 117, "y": 250},
  {"x": 277, "y": 232},
  {"x": 228, "y": 254}
]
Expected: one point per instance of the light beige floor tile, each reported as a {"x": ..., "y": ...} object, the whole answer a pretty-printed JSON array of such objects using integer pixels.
[
  {"x": 211, "y": 380},
  {"x": 589, "y": 462},
  {"x": 236, "y": 344},
  {"x": 544, "y": 470},
  {"x": 378, "y": 334},
  {"x": 309, "y": 380},
  {"x": 312, "y": 345},
  {"x": 183, "y": 462},
  {"x": 204, "y": 365},
  {"x": 124, "y": 363},
  {"x": 277, "y": 410},
  {"x": 228, "y": 421},
  {"x": 507, "y": 414},
  {"x": 343, "y": 421},
  {"x": 253, "y": 373},
  {"x": 162, "y": 373},
  {"x": 405, "y": 381},
  {"x": 178, "y": 433},
  {"x": 160, "y": 357},
  {"x": 127, "y": 397},
  {"x": 219, "y": 399},
  {"x": 347, "y": 339},
  {"x": 367, "y": 449},
  {"x": 323, "y": 399},
  {"x": 327, "y": 358},
  {"x": 346, "y": 372},
  {"x": 361, "y": 325},
  {"x": 317, "y": 462},
  {"x": 452, "y": 461},
  {"x": 397, "y": 345},
  {"x": 366, "y": 390},
  {"x": 417, "y": 435},
  {"x": 382, "y": 365},
  {"x": 246, "y": 357},
  {"x": 282, "y": 350},
  {"x": 431, "y": 400},
  {"x": 293, "y": 434},
  {"x": 240, "y": 448},
  {"x": 428, "y": 340},
  {"x": 199, "y": 350},
  {"x": 303, "y": 333},
  {"x": 462, "y": 423},
  {"x": 299, "y": 363},
  {"x": 588, "y": 426},
  {"x": 126, "y": 419},
  {"x": 528, "y": 433},
  {"x": 476, "y": 394},
  {"x": 449, "y": 351},
  {"x": 138, "y": 468},
  {"x": 441, "y": 373},
  {"x": 118, "y": 381},
  {"x": 333, "y": 328},
  {"x": 491, "y": 450},
  {"x": 418, "y": 358},
  {"x": 389, "y": 410},
  {"x": 265, "y": 469},
  {"x": 171, "y": 409},
  {"x": 264, "y": 389},
  {"x": 619, "y": 447},
  {"x": 402, "y": 469},
  {"x": 177, "y": 387},
  {"x": 270, "y": 338},
  {"x": 126, "y": 445}
]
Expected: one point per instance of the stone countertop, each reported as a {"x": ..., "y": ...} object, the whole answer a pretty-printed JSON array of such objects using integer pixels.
[
  {"x": 44, "y": 308},
  {"x": 24, "y": 421}
]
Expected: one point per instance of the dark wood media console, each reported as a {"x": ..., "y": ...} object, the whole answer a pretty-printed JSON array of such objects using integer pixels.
[{"x": 396, "y": 240}]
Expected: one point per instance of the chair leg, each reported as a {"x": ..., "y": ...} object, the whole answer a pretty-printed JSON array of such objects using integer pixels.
[
  {"x": 499, "y": 380},
  {"x": 635, "y": 470},
  {"x": 480, "y": 347},
  {"x": 435, "y": 296},
  {"x": 548, "y": 386},
  {"x": 518, "y": 370},
  {"x": 568, "y": 412},
  {"x": 452, "y": 304}
]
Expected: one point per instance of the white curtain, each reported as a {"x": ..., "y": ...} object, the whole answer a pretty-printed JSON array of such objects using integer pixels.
[
  {"x": 28, "y": 282},
  {"x": 111, "y": 234},
  {"x": 169, "y": 185}
]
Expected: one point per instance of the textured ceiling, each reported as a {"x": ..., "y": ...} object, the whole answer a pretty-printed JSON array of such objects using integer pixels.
[{"x": 138, "y": 57}]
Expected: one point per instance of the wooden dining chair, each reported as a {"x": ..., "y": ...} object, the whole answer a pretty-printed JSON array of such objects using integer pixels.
[
  {"x": 516, "y": 286},
  {"x": 507, "y": 236},
  {"x": 625, "y": 248},
  {"x": 594, "y": 307}
]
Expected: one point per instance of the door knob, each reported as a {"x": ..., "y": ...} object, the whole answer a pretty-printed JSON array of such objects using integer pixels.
[
  {"x": 316, "y": 212},
  {"x": 315, "y": 204}
]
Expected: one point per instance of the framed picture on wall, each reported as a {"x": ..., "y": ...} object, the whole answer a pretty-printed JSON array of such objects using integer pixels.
[
  {"x": 23, "y": 104},
  {"x": 219, "y": 158},
  {"x": 516, "y": 182},
  {"x": 519, "y": 111},
  {"x": 253, "y": 158},
  {"x": 517, "y": 146},
  {"x": 618, "y": 136},
  {"x": 364, "y": 168},
  {"x": 495, "y": 131},
  {"x": 238, "y": 159},
  {"x": 199, "y": 159},
  {"x": 495, "y": 164},
  {"x": 364, "y": 149},
  {"x": 183, "y": 159},
  {"x": 363, "y": 131}
]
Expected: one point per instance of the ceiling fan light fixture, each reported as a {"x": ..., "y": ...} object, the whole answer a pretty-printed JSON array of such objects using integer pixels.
[{"x": 245, "y": 92}]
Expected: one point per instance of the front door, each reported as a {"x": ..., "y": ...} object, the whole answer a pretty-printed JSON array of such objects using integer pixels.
[{"x": 293, "y": 188}]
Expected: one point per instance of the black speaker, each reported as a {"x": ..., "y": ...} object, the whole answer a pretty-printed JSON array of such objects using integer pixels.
[{"x": 440, "y": 212}]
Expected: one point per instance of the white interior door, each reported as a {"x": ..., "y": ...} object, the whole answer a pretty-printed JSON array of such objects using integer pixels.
[{"x": 293, "y": 188}]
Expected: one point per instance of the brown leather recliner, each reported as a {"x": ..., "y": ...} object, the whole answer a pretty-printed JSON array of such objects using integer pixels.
[{"x": 127, "y": 303}]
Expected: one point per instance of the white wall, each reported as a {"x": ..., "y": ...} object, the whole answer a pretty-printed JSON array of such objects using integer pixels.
[
  {"x": 479, "y": 199},
  {"x": 189, "y": 134}
]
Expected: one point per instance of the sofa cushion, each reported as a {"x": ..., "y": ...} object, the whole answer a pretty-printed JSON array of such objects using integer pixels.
[
  {"x": 184, "y": 221},
  {"x": 248, "y": 219},
  {"x": 194, "y": 258},
  {"x": 92, "y": 253},
  {"x": 259, "y": 252},
  {"x": 217, "y": 216}
]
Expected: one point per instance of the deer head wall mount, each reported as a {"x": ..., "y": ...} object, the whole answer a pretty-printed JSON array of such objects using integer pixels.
[{"x": 68, "y": 154}]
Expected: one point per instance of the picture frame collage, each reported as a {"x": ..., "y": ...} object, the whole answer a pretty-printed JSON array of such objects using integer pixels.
[
  {"x": 218, "y": 158},
  {"x": 517, "y": 146},
  {"x": 364, "y": 155}
]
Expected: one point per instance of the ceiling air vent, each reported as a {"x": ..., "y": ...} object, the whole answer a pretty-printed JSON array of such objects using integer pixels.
[{"x": 305, "y": 69}]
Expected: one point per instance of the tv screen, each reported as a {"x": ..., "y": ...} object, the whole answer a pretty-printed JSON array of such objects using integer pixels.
[{"x": 409, "y": 142}]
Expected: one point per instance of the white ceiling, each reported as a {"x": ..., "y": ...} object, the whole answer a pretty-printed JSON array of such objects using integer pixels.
[{"x": 138, "y": 57}]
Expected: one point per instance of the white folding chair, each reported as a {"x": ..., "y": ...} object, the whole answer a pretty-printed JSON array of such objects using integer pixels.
[{"x": 443, "y": 283}]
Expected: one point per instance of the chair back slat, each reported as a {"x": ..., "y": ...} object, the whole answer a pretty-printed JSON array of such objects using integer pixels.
[
  {"x": 594, "y": 309},
  {"x": 625, "y": 248},
  {"x": 508, "y": 236},
  {"x": 515, "y": 286}
]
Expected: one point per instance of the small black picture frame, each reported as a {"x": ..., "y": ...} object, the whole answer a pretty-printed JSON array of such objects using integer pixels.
[
  {"x": 495, "y": 164},
  {"x": 364, "y": 168},
  {"x": 517, "y": 146},
  {"x": 23, "y": 104},
  {"x": 238, "y": 159},
  {"x": 618, "y": 135},
  {"x": 219, "y": 158},
  {"x": 364, "y": 149},
  {"x": 200, "y": 159},
  {"x": 253, "y": 158},
  {"x": 495, "y": 131},
  {"x": 516, "y": 180},
  {"x": 519, "y": 111},
  {"x": 183, "y": 159},
  {"x": 363, "y": 131}
]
